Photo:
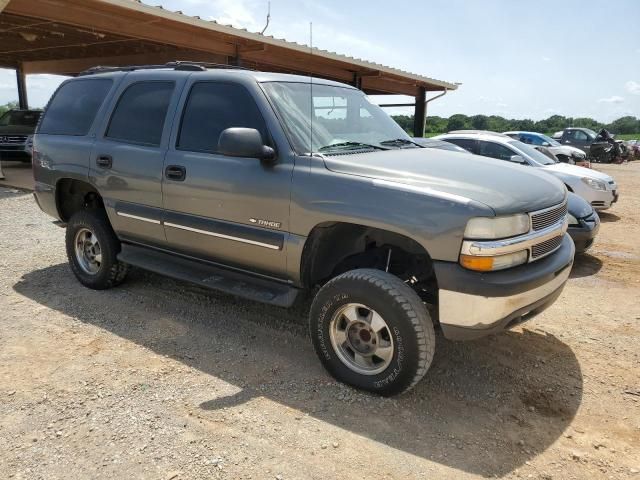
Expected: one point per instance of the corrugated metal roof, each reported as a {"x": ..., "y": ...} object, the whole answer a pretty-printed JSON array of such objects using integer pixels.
[{"x": 270, "y": 40}]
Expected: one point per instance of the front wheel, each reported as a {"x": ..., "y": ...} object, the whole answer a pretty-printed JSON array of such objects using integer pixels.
[{"x": 372, "y": 331}]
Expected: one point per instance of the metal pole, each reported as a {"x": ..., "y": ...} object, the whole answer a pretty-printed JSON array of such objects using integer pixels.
[
  {"x": 22, "y": 88},
  {"x": 419, "y": 114}
]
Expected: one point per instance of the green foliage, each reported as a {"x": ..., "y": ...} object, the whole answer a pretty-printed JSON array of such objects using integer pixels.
[
  {"x": 8, "y": 106},
  {"x": 435, "y": 125}
]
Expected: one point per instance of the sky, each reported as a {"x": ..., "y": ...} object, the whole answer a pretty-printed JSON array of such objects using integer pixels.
[{"x": 514, "y": 59}]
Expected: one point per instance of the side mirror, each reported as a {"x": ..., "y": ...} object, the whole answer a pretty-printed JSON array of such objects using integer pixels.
[
  {"x": 244, "y": 142},
  {"x": 546, "y": 144},
  {"x": 518, "y": 159}
]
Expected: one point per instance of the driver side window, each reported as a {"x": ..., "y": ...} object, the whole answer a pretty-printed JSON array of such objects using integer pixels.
[
  {"x": 495, "y": 150},
  {"x": 213, "y": 107}
]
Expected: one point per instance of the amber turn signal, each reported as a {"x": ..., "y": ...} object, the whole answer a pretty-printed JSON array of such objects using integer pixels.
[{"x": 480, "y": 264}]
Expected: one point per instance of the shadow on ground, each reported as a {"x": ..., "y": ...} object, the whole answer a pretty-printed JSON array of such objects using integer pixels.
[
  {"x": 585, "y": 265},
  {"x": 485, "y": 407},
  {"x": 608, "y": 217}
]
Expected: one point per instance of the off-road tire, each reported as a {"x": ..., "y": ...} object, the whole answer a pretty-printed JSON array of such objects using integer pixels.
[
  {"x": 402, "y": 310},
  {"x": 111, "y": 272}
]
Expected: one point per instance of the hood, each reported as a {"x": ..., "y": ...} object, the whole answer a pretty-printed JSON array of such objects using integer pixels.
[
  {"x": 568, "y": 151},
  {"x": 502, "y": 186},
  {"x": 576, "y": 171},
  {"x": 577, "y": 206},
  {"x": 16, "y": 130}
]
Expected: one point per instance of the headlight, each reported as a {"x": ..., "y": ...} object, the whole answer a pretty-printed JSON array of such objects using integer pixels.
[
  {"x": 491, "y": 228},
  {"x": 595, "y": 184},
  {"x": 499, "y": 262},
  {"x": 572, "y": 220}
]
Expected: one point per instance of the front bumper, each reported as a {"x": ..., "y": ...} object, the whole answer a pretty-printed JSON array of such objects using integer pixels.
[
  {"x": 599, "y": 200},
  {"x": 472, "y": 304},
  {"x": 584, "y": 234}
]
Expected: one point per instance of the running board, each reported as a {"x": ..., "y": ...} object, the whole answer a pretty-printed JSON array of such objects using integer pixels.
[{"x": 209, "y": 276}]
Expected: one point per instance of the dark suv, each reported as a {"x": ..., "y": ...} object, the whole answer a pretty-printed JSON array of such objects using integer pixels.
[
  {"x": 261, "y": 185},
  {"x": 16, "y": 126}
]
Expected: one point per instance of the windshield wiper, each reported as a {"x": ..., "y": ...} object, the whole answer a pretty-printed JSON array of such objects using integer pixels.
[
  {"x": 400, "y": 141},
  {"x": 350, "y": 145}
]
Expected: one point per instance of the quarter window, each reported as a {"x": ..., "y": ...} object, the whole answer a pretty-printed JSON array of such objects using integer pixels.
[
  {"x": 468, "y": 145},
  {"x": 495, "y": 150},
  {"x": 213, "y": 107},
  {"x": 140, "y": 113},
  {"x": 74, "y": 106}
]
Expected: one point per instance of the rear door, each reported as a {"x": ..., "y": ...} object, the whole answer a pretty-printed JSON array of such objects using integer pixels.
[
  {"x": 230, "y": 210},
  {"x": 128, "y": 155}
]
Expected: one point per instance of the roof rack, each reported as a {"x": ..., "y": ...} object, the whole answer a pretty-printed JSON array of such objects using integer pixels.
[{"x": 176, "y": 65}]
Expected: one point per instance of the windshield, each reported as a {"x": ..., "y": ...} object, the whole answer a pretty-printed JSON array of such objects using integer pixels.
[
  {"x": 20, "y": 118},
  {"x": 343, "y": 119},
  {"x": 550, "y": 141},
  {"x": 532, "y": 154}
]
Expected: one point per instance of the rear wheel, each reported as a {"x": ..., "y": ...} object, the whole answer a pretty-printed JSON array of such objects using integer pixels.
[
  {"x": 92, "y": 249},
  {"x": 372, "y": 331}
]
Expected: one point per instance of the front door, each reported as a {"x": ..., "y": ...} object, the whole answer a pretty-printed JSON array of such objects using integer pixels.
[
  {"x": 128, "y": 155},
  {"x": 230, "y": 210}
]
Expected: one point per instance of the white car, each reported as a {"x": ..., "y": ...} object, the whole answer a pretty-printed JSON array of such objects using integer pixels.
[{"x": 597, "y": 188}]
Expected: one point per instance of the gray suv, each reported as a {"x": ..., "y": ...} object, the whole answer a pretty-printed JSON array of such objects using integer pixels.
[{"x": 262, "y": 185}]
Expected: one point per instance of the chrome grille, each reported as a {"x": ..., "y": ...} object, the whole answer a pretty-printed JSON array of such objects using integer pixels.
[
  {"x": 550, "y": 216},
  {"x": 546, "y": 247},
  {"x": 13, "y": 139}
]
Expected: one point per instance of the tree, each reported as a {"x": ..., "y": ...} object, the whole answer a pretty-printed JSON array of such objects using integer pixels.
[
  {"x": 496, "y": 123},
  {"x": 624, "y": 125},
  {"x": 8, "y": 106},
  {"x": 458, "y": 122},
  {"x": 479, "y": 122}
]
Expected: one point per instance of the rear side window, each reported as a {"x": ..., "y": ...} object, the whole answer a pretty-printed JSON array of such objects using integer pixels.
[
  {"x": 74, "y": 106},
  {"x": 212, "y": 108},
  {"x": 140, "y": 113},
  {"x": 495, "y": 150},
  {"x": 468, "y": 145}
]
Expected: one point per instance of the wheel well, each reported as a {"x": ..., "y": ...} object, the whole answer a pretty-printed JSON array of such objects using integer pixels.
[
  {"x": 334, "y": 248},
  {"x": 74, "y": 195}
]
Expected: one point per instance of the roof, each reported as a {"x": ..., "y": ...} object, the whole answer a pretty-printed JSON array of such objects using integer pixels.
[
  {"x": 208, "y": 73},
  {"x": 476, "y": 135},
  {"x": 68, "y": 36}
]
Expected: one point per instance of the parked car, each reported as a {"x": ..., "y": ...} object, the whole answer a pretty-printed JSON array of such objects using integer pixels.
[
  {"x": 600, "y": 147},
  {"x": 15, "y": 128},
  {"x": 220, "y": 177},
  {"x": 581, "y": 138},
  {"x": 599, "y": 189},
  {"x": 634, "y": 148},
  {"x": 564, "y": 153},
  {"x": 584, "y": 222}
]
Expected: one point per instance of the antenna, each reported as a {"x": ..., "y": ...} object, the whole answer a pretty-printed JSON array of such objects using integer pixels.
[
  {"x": 268, "y": 18},
  {"x": 311, "y": 112}
]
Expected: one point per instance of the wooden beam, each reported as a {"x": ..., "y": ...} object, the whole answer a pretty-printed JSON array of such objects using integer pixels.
[
  {"x": 389, "y": 86},
  {"x": 74, "y": 66},
  {"x": 90, "y": 16}
]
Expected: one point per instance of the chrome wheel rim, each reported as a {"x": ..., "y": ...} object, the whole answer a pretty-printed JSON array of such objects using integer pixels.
[
  {"x": 361, "y": 339},
  {"x": 88, "y": 251}
]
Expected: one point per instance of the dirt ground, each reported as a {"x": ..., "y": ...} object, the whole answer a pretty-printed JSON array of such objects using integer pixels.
[{"x": 161, "y": 380}]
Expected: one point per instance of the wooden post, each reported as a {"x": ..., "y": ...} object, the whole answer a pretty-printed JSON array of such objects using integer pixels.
[
  {"x": 419, "y": 113},
  {"x": 22, "y": 88}
]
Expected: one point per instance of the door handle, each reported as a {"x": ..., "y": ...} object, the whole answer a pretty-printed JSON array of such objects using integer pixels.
[
  {"x": 175, "y": 172},
  {"x": 104, "y": 161}
]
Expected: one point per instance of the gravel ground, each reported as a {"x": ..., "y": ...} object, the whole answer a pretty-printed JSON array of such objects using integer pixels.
[{"x": 161, "y": 380}]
